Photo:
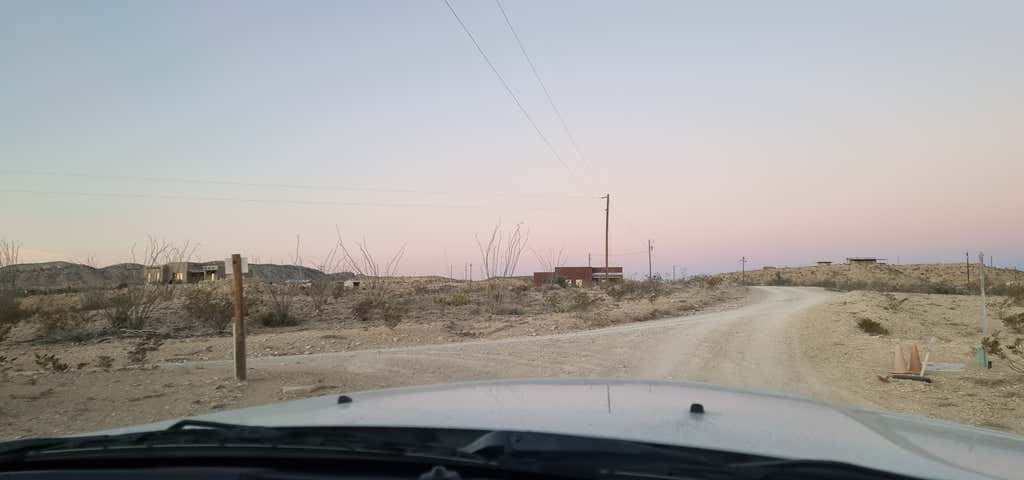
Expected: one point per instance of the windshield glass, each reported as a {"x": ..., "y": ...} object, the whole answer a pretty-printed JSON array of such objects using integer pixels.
[{"x": 208, "y": 206}]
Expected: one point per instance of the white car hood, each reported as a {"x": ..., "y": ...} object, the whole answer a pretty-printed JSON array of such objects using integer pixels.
[{"x": 659, "y": 412}]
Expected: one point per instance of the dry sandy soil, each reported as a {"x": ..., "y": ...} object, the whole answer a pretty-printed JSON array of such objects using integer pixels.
[
  {"x": 853, "y": 360},
  {"x": 190, "y": 374},
  {"x": 795, "y": 340}
]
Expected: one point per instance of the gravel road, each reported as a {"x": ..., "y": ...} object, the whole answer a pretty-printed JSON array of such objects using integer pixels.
[{"x": 751, "y": 346}]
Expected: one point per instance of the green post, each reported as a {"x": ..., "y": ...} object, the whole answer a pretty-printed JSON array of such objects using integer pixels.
[{"x": 981, "y": 357}]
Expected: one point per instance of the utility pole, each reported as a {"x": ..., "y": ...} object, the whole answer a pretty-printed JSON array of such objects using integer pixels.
[
  {"x": 470, "y": 272},
  {"x": 588, "y": 260},
  {"x": 967, "y": 263},
  {"x": 743, "y": 269},
  {"x": 984, "y": 307},
  {"x": 607, "y": 208},
  {"x": 239, "y": 326},
  {"x": 650, "y": 266}
]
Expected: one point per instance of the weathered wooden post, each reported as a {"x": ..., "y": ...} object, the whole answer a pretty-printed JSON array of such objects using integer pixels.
[{"x": 239, "y": 327}]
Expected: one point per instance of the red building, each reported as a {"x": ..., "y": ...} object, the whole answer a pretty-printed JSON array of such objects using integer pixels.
[{"x": 578, "y": 276}]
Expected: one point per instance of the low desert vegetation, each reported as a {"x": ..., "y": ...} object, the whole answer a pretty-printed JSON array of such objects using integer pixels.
[
  {"x": 210, "y": 307},
  {"x": 91, "y": 300},
  {"x": 1012, "y": 353},
  {"x": 64, "y": 324},
  {"x": 132, "y": 307},
  {"x": 871, "y": 327}
]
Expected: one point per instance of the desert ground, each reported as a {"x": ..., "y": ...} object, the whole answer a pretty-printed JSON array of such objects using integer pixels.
[
  {"x": 807, "y": 341},
  {"x": 179, "y": 366}
]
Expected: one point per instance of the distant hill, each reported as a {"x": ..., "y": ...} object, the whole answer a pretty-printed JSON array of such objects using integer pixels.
[
  {"x": 65, "y": 276},
  {"x": 49, "y": 276},
  {"x": 934, "y": 277},
  {"x": 272, "y": 273}
]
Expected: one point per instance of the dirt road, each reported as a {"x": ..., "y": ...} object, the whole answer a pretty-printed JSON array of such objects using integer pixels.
[{"x": 750, "y": 346}]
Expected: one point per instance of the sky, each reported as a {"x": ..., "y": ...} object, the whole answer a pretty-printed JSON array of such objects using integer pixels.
[{"x": 785, "y": 132}]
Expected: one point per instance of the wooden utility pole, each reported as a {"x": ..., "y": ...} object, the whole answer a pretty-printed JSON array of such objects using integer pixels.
[
  {"x": 984, "y": 306},
  {"x": 743, "y": 269},
  {"x": 967, "y": 263},
  {"x": 239, "y": 330},
  {"x": 650, "y": 266},
  {"x": 607, "y": 207}
]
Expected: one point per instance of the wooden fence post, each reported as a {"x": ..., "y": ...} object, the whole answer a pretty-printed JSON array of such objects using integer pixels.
[{"x": 239, "y": 328}]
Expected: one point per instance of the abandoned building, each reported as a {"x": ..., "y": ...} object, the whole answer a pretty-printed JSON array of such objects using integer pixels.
[
  {"x": 864, "y": 260},
  {"x": 578, "y": 276}
]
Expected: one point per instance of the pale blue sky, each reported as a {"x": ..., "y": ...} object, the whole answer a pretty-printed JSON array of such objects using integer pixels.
[{"x": 784, "y": 131}]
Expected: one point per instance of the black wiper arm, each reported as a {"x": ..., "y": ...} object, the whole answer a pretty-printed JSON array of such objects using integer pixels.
[
  {"x": 502, "y": 445},
  {"x": 808, "y": 469},
  {"x": 200, "y": 433}
]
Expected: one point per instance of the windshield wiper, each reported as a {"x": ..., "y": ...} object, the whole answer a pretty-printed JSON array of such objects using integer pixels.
[
  {"x": 510, "y": 451},
  {"x": 811, "y": 469},
  {"x": 199, "y": 433}
]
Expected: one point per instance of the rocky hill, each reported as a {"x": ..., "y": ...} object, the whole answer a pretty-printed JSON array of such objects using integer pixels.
[
  {"x": 924, "y": 278},
  {"x": 67, "y": 276},
  {"x": 56, "y": 276}
]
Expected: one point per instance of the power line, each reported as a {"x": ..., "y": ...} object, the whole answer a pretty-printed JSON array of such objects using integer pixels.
[
  {"x": 551, "y": 101},
  {"x": 284, "y": 186},
  {"x": 509, "y": 91},
  {"x": 249, "y": 200}
]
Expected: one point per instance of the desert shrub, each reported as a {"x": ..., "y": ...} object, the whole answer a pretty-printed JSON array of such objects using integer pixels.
[
  {"x": 104, "y": 362},
  {"x": 632, "y": 289},
  {"x": 553, "y": 300},
  {"x": 280, "y": 307},
  {"x": 140, "y": 350},
  {"x": 90, "y": 300},
  {"x": 1012, "y": 291},
  {"x": 209, "y": 308},
  {"x": 132, "y": 307},
  {"x": 320, "y": 292},
  {"x": 872, "y": 327},
  {"x": 778, "y": 280},
  {"x": 892, "y": 303},
  {"x": 581, "y": 301},
  {"x": 6, "y": 364},
  {"x": 63, "y": 325},
  {"x": 273, "y": 319},
  {"x": 1012, "y": 353},
  {"x": 456, "y": 299},
  {"x": 10, "y": 310},
  {"x": 1015, "y": 323},
  {"x": 379, "y": 308},
  {"x": 506, "y": 308},
  {"x": 51, "y": 362},
  {"x": 10, "y": 313}
]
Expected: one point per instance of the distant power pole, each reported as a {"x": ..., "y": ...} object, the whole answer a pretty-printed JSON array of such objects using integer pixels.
[
  {"x": 607, "y": 211},
  {"x": 967, "y": 263},
  {"x": 743, "y": 269},
  {"x": 984, "y": 307},
  {"x": 650, "y": 265},
  {"x": 470, "y": 271},
  {"x": 588, "y": 259}
]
